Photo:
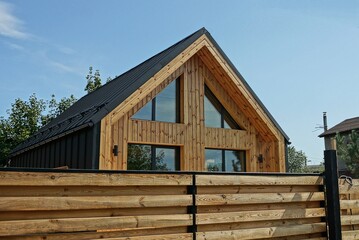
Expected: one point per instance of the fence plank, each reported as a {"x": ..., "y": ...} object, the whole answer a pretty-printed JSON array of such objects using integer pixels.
[
  {"x": 203, "y": 180},
  {"x": 90, "y": 224},
  {"x": 258, "y": 233},
  {"x": 255, "y": 198},
  {"x": 91, "y": 179},
  {"x": 248, "y": 216},
  {"x": 97, "y": 202}
]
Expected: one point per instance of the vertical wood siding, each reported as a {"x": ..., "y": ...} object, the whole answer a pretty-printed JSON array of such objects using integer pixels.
[{"x": 191, "y": 135}]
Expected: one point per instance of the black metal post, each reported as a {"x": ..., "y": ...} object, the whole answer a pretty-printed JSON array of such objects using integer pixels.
[
  {"x": 193, "y": 209},
  {"x": 332, "y": 195}
]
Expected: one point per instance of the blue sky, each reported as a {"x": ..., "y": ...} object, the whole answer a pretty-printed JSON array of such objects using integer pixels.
[{"x": 300, "y": 57}]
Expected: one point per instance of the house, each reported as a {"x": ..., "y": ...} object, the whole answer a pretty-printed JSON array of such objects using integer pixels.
[
  {"x": 344, "y": 128},
  {"x": 186, "y": 108}
]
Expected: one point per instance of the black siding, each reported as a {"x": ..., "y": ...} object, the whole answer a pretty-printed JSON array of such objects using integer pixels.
[{"x": 74, "y": 150}]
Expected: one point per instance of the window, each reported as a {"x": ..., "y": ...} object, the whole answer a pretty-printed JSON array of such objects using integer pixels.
[
  {"x": 215, "y": 114},
  {"x": 164, "y": 107},
  {"x": 150, "y": 157},
  {"x": 225, "y": 160}
]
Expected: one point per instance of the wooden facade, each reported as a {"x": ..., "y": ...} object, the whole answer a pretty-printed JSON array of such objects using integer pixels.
[{"x": 197, "y": 66}]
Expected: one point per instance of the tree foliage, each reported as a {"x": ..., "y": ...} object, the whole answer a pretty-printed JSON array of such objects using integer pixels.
[
  {"x": 348, "y": 151},
  {"x": 93, "y": 80},
  {"x": 139, "y": 158},
  {"x": 296, "y": 160},
  {"x": 25, "y": 118}
]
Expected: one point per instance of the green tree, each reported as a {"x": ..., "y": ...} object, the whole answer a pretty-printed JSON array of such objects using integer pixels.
[
  {"x": 25, "y": 118},
  {"x": 348, "y": 151},
  {"x": 296, "y": 160},
  {"x": 55, "y": 108},
  {"x": 139, "y": 158},
  {"x": 93, "y": 80}
]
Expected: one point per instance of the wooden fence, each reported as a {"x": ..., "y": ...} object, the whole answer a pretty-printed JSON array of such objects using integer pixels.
[
  {"x": 117, "y": 205},
  {"x": 349, "y": 204}
]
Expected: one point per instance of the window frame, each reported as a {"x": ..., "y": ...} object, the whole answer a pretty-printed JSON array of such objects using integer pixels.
[
  {"x": 223, "y": 160},
  {"x": 225, "y": 116},
  {"x": 154, "y": 100},
  {"x": 153, "y": 156}
]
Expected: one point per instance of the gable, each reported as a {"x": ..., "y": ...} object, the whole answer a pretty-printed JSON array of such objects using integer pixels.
[{"x": 226, "y": 76}]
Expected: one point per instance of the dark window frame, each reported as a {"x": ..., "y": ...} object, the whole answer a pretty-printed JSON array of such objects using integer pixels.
[
  {"x": 153, "y": 155},
  {"x": 223, "y": 155},
  {"x": 178, "y": 104},
  {"x": 225, "y": 116}
]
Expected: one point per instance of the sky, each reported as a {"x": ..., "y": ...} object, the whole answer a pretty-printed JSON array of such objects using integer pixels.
[{"x": 300, "y": 57}]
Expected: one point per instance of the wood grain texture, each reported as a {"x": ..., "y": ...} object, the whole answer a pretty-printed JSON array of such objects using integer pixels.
[
  {"x": 257, "y": 198},
  {"x": 259, "y": 233},
  {"x": 91, "y": 179},
  {"x": 89, "y": 224},
  {"x": 252, "y": 216},
  {"x": 202, "y": 180}
]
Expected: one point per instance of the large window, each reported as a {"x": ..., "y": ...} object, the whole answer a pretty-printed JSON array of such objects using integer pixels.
[
  {"x": 225, "y": 160},
  {"x": 150, "y": 157},
  {"x": 215, "y": 114},
  {"x": 164, "y": 107}
]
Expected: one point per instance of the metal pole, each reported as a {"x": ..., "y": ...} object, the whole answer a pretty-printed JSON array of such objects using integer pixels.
[{"x": 332, "y": 195}]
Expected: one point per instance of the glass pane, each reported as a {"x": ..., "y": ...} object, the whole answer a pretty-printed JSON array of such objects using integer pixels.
[
  {"x": 234, "y": 161},
  {"x": 166, "y": 104},
  {"x": 213, "y": 160},
  {"x": 145, "y": 112},
  {"x": 212, "y": 117},
  {"x": 139, "y": 157},
  {"x": 165, "y": 159}
]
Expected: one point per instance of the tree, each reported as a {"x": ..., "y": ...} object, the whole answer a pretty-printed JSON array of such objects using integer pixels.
[
  {"x": 348, "y": 151},
  {"x": 139, "y": 158},
  {"x": 296, "y": 160},
  {"x": 26, "y": 118},
  {"x": 23, "y": 121},
  {"x": 93, "y": 80},
  {"x": 56, "y": 108}
]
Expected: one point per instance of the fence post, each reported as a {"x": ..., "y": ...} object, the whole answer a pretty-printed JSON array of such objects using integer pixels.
[
  {"x": 193, "y": 208},
  {"x": 332, "y": 195}
]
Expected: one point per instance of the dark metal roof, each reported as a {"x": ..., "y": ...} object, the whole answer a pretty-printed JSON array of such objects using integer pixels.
[
  {"x": 345, "y": 126},
  {"x": 91, "y": 108}
]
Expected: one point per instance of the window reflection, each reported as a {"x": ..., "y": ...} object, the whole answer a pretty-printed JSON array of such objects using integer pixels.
[
  {"x": 164, "y": 107},
  {"x": 224, "y": 160},
  {"x": 150, "y": 157}
]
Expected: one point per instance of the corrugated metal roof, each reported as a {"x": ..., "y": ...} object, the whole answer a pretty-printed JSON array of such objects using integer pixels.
[
  {"x": 94, "y": 106},
  {"x": 345, "y": 126}
]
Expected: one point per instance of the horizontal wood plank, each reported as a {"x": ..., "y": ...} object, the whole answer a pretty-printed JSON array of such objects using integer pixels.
[
  {"x": 258, "y": 233},
  {"x": 350, "y": 235},
  {"x": 248, "y": 216},
  {"x": 256, "y": 189},
  {"x": 202, "y": 180},
  {"x": 180, "y": 236},
  {"x": 350, "y": 220},
  {"x": 98, "y": 202},
  {"x": 91, "y": 179},
  {"x": 8, "y": 228},
  {"x": 255, "y": 198},
  {"x": 349, "y": 204}
]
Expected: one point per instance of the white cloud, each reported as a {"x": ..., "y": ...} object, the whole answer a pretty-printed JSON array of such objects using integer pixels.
[{"x": 10, "y": 26}]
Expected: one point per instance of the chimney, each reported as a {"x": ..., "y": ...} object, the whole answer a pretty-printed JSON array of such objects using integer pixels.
[{"x": 325, "y": 124}]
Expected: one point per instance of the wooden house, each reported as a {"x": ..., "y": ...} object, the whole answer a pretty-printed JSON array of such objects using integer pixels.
[
  {"x": 186, "y": 108},
  {"x": 344, "y": 128}
]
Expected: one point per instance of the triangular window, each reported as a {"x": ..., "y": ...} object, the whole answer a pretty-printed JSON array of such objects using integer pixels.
[
  {"x": 164, "y": 107},
  {"x": 215, "y": 114}
]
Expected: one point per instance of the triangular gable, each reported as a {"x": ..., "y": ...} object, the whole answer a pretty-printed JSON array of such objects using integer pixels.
[{"x": 210, "y": 53}]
